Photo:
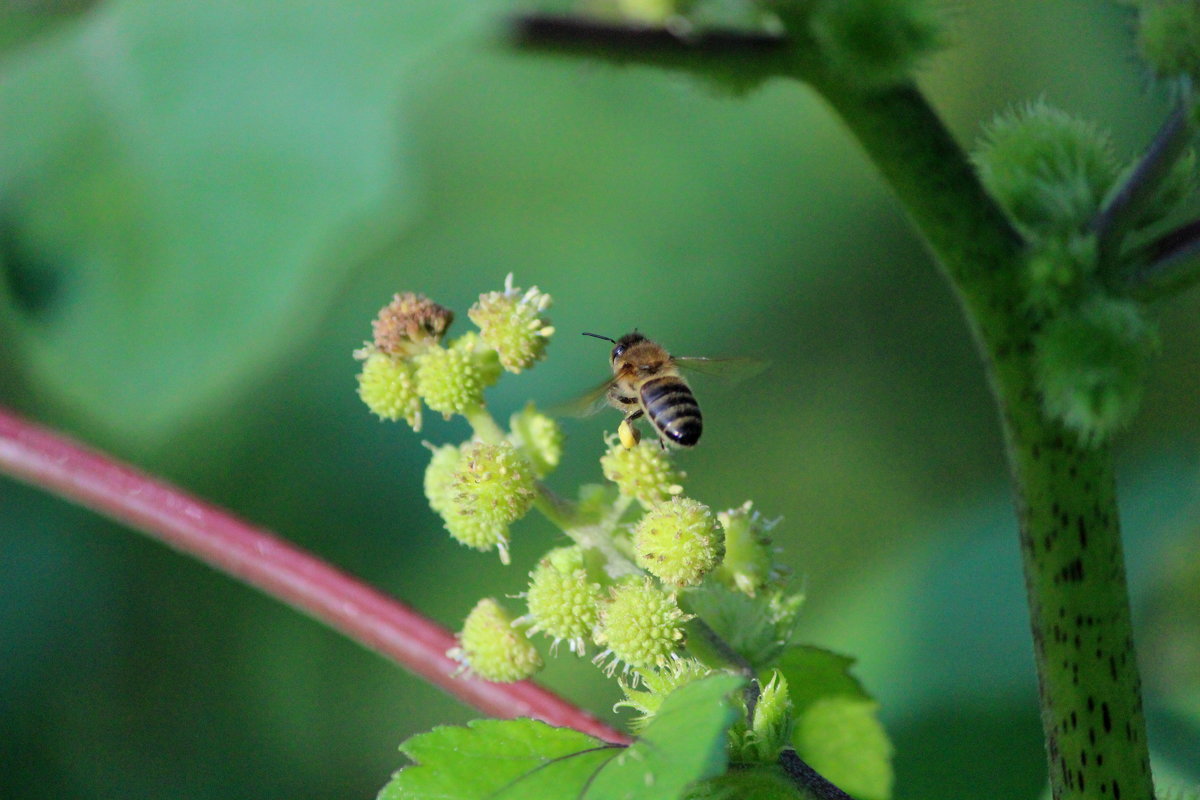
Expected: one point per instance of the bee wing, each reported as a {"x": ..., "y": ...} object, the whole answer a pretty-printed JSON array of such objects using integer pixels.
[
  {"x": 729, "y": 369},
  {"x": 587, "y": 403}
]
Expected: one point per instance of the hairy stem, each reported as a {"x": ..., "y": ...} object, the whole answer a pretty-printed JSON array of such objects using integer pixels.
[
  {"x": 277, "y": 568},
  {"x": 1070, "y": 539}
]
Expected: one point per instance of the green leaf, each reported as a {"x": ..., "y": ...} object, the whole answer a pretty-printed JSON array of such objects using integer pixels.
[
  {"x": 497, "y": 759},
  {"x": 836, "y": 724},
  {"x": 685, "y": 743},
  {"x": 180, "y": 193}
]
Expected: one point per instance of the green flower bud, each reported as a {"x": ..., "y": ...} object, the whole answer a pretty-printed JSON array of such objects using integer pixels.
[
  {"x": 1056, "y": 272},
  {"x": 747, "y": 566},
  {"x": 492, "y": 488},
  {"x": 538, "y": 437},
  {"x": 511, "y": 323},
  {"x": 410, "y": 324},
  {"x": 679, "y": 541},
  {"x": 659, "y": 683},
  {"x": 642, "y": 472},
  {"x": 1049, "y": 170},
  {"x": 440, "y": 477},
  {"x": 875, "y": 43},
  {"x": 492, "y": 648},
  {"x": 1169, "y": 37},
  {"x": 451, "y": 380},
  {"x": 563, "y": 601},
  {"x": 388, "y": 386},
  {"x": 641, "y": 626},
  {"x": 768, "y": 733},
  {"x": 1091, "y": 364}
]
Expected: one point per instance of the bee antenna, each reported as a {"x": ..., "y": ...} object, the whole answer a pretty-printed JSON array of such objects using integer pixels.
[{"x": 598, "y": 336}]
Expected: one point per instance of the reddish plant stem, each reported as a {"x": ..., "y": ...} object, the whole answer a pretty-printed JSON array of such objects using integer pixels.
[{"x": 281, "y": 570}]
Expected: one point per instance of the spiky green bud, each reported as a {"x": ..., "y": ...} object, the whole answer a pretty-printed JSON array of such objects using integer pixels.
[
  {"x": 511, "y": 323},
  {"x": 441, "y": 476},
  {"x": 452, "y": 379},
  {"x": 658, "y": 684},
  {"x": 762, "y": 740},
  {"x": 748, "y": 564},
  {"x": 1057, "y": 272},
  {"x": 538, "y": 437},
  {"x": 491, "y": 647},
  {"x": 875, "y": 43},
  {"x": 492, "y": 488},
  {"x": 1048, "y": 169},
  {"x": 643, "y": 472},
  {"x": 388, "y": 385},
  {"x": 1091, "y": 364},
  {"x": 640, "y": 626},
  {"x": 564, "y": 602},
  {"x": 678, "y": 541},
  {"x": 1169, "y": 37}
]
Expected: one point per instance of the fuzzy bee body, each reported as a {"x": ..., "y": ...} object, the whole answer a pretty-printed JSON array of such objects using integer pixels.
[{"x": 646, "y": 383}]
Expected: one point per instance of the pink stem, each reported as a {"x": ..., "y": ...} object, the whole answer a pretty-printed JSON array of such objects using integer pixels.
[{"x": 45, "y": 459}]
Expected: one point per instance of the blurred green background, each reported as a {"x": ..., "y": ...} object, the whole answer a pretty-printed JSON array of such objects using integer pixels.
[{"x": 202, "y": 205}]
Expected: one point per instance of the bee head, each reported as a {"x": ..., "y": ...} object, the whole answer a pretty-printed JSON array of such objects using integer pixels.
[{"x": 622, "y": 344}]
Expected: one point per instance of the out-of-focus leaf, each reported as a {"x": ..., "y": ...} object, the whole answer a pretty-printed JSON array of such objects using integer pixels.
[{"x": 180, "y": 190}]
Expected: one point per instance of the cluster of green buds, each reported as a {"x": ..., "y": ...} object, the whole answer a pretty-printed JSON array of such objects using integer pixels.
[
  {"x": 652, "y": 582},
  {"x": 1072, "y": 201}
]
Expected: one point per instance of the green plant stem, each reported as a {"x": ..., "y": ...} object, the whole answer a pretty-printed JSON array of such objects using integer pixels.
[
  {"x": 1090, "y": 691},
  {"x": 484, "y": 426}
]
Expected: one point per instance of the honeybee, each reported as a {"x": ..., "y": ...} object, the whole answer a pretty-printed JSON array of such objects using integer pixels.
[{"x": 646, "y": 382}]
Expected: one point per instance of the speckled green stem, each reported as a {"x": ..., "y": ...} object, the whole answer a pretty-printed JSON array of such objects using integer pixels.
[
  {"x": 1066, "y": 500},
  {"x": 1066, "y": 503}
]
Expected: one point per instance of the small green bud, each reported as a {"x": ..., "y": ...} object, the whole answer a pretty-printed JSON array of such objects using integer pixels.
[
  {"x": 659, "y": 683},
  {"x": 1091, "y": 364},
  {"x": 769, "y": 732},
  {"x": 564, "y": 602},
  {"x": 538, "y": 437},
  {"x": 388, "y": 385},
  {"x": 1169, "y": 37},
  {"x": 512, "y": 324},
  {"x": 1048, "y": 169},
  {"x": 440, "y": 477},
  {"x": 747, "y": 566},
  {"x": 410, "y": 324},
  {"x": 642, "y": 472},
  {"x": 640, "y": 625},
  {"x": 492, "y": 648},
  {"x": 451, "y": 379},
  {"x": 492, "y": 488},
  {"x": 1057, "y": 271},
  {"x": 875, "y": 43},
  {"x": 678, "y": 541}
]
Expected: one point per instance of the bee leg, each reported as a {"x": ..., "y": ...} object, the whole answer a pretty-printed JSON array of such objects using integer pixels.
[{"x": 629, "y": 435}]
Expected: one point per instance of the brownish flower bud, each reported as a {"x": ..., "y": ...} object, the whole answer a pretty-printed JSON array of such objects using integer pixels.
[{"x": 410, "y": 323}]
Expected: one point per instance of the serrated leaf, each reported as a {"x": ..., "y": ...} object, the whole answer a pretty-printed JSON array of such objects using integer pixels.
[
  {"x": 180, "y": 193},
  {"x": 685, "y": 743},
  {"x": 510, "y": 759},
  {"x": 494, "y": 759},
  {"x": 836, "y": 724}
]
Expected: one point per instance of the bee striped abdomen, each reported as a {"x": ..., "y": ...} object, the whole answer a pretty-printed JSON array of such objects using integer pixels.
[{"x": 672, "y": 409}]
